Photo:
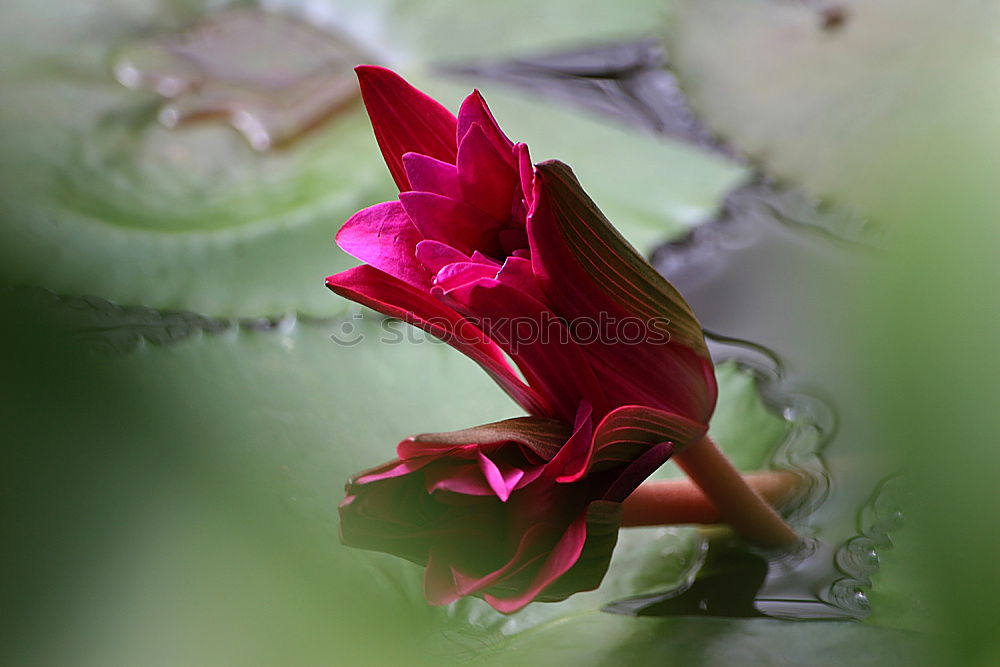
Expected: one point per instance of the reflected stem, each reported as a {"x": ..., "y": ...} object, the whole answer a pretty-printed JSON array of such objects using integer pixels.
[{"x": 718, "y": 494}]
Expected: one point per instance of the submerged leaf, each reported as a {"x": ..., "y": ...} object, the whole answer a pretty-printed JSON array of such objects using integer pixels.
[
  {"x": 98, "y": 197},
  {"x": 860, "y": 102}
]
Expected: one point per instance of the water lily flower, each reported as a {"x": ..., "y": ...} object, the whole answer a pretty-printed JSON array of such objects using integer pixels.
[
  {"x": 498, "y": 256},
  {"x": 503, "y": 258},
  {"x": 514, "y": 511}
]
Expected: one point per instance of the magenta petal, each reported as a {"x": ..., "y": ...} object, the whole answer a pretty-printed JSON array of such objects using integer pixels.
[
  {"x": 514, "y": 241},
  {"x": 444, "y": 583},
  {"x": 522, "y": 559},
  {"x": 487, "y": 179},
  {"x": 383, "y": 236},
  {"x": 627, "y": 432},
  {"x": 429, "y": 175},
  {"x": 526, "y": 173},
  {"x": 517, "y": 273},
  {"x": 440, "y": 586},
  {"x": 462, "y": 273},
  {"x": 690, "y": 391},
  {"x": 461, "y": 477},
  {"x": 584, "y": 268},
  {"x": 450, "y": 221},
  {"x": 565, "y": 259},
  {"x": 485, "y": 259},
  {"x": 573, "y": 459},
  {"x": 390, "y": 470},
  {"x": 475, "y": 111},
  {"x": 466, "y": 584},
  {"x": 412, "y": 448},
  {"x": 391, "y": 296},
  {"x": 529, "y": 476},
  {"x": 565, "y": 554},
  {"x": 405, "y": 121},
  {"x": 588, "y": 266},
  {"x": 537, "y": 341},
  {"x": 502, "y": 482},
  {"x": 436, "y": 255},
  {"x": 541, "y": 437}
]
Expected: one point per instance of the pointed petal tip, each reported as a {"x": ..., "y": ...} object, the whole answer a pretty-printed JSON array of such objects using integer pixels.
[
  {"x": 374, "y": 78},
  {"x": 475, "y": 97},
  {"x": 405, "y": 120},
  {"x": 339, "y": 236},
  {"x": 545, "y": 172},
  {"x": 365, "y": 70},
  {"x": 552, "y": 167},
  {"x": 474, "y": 109},
  {"x": 369, "y": 75}
]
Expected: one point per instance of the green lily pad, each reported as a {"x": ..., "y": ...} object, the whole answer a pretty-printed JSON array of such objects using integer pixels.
[
  {"x": 247, "y": 439},
  {"x": 857, "y": 101},
  {"x": 99, "y": 197},
  {"x": 596, "y": 639},
  {"x": 205, "y": 512},
  {"x": 198, "y": 524}
]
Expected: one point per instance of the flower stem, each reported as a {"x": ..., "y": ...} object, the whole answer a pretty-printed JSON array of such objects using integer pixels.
[
  {"x": 675, "y": 501},
  {"x": 736, "y": 501}
]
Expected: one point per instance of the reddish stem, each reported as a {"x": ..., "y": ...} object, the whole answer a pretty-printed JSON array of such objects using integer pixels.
[
  {"x": 736, "y": 501},
  {"x": 674, "y": 501}
]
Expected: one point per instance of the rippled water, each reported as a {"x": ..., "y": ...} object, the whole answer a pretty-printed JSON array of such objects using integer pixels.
[
  {"x": 816, "y": 581},
  {"x": 768, "y": 269}
]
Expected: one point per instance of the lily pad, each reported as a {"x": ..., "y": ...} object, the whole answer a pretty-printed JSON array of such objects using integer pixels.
[
  {"x": 225, "y": 465},
  {"x": 857, "y": 101},
  {"x": 99, "y": 197},
  {"x": 596, "y": 639}
]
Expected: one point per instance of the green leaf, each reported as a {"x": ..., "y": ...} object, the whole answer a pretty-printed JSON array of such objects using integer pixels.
[
  {"x": 855, "y": 101},
  {"x": 98, "y": 197},
  {"x": 596, "y": 638},
  {"x": 205, "y": 512},
  {"x": 198, "y": 524}
]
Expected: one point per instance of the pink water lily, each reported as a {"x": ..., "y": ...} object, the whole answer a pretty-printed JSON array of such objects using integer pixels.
[
  {"x": 500, "y": 257},
  {"x": 513, "y": 511}
]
